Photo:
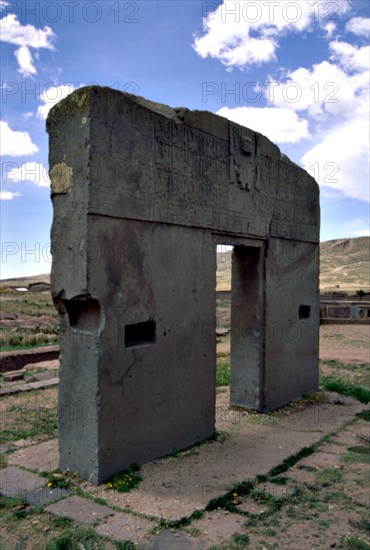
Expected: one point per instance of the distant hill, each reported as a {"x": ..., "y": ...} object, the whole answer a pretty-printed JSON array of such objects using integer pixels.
[
  {"x": 344, "y": 267},
  {"x": 25, "y": 282}
]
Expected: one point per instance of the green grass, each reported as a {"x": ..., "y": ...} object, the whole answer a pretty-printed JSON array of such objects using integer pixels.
[
  {"x": 76, "y": 538},
  {"x": 328, "y": 476},
  {"x": 35, "y": 323},
  {"x": 126, "y": 480},
  {"x": 354, "y": 543},
  {"x": 345, "y": 387},
  {"x": 29, "y": 423},
  {"x": 357, "y": 455},
  {"x": 222, "y": 372},
  {"x": 291, "y": 461},
  {"x": 353, "y": 373},
  {"x": 30, "y": 527},
  {"x": 125, "y": 545},
  {"x": 31, "y": 343},
  {"x": 365, "y": 415}
]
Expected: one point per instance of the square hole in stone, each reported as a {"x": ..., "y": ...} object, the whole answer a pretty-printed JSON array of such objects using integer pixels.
[
  {"x": 140, "y": 334},
  {"x": 304, "y": 312}
]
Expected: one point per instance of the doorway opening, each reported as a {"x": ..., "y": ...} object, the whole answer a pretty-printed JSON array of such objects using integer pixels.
[
  {"x": 239, "y": 323},
  {"x": 223, "y": 314}
]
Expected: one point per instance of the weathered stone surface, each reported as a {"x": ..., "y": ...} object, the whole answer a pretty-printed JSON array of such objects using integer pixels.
[
  {"x": 175, "y": 487},
  {"x": 43, "y": 456},
  {"x": 13, "y": 376},
  {"x": 30, "y": 386},
  {"x": 42, "y": 376},
  {"x": 175, "y": 540},
  {"x": 44, "y": 496},
  {"x": 339, "y": 312},
  {"x": 126, "y": 527},
  {"x": 79, "y": 509},
  {"x": 15, "y": 482},
  {"x": 147, "y": 193}
]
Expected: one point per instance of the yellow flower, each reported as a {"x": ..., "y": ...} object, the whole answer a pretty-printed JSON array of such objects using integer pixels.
[
  {"x": 50, "y": 484},
  {"x": 235, "y": 494},
  {"x": 110, "y": 485}
]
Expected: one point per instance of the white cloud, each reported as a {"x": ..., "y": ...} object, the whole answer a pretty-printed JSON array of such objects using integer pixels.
[
  {"x": 357, "y": 228},
  {"x": 14, "y": 32},
  {"x": 25, "y": 36},
  {"x": 15, "y": 143},
  {"x": 330, "y": 28},
  {"x": 27, "y": 115},
  {"x": 50, "y": 96},
  {"x": 342, "y": 158},
  {"x": 334, "y": 96},
  {"x": 228, "y": 30},
  {"x": 34, "y": 172},
  {"x": 25, "y": 62},
  {"x": 325, "y": 89},
  {"x": 8, "y": 196},
  {"x": 359, "y": 26},
  {"x": 280, "y": 125},
  {"x": 350, "y": 57}
]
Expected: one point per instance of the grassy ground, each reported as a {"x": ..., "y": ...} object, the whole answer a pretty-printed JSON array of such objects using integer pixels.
[
  {"x": 28, "y": 319},
  {"x": 31, "y": 414},
  {"x": 317, "y": 505}
]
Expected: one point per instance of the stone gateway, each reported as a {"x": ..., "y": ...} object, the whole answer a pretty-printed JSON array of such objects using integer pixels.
[{"x": 142, "y": 194}]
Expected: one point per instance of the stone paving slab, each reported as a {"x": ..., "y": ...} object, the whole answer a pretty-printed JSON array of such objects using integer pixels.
[
  {"x": 170, "y": 540},
  {"x": 31, "y": 386},
  {"x": 15, "y": 482},
  {"x": 126, "y": 527},
  {"x": 44, "y": 496},
  {"x": 175, "y": 487},
  {"x": 43, "y": 456},
  {"x": 79, "y": 509},
  {"x": 19, "y": 444},
  {"x": 41, "y": 376},
  {"x": 50, "y": 365}
]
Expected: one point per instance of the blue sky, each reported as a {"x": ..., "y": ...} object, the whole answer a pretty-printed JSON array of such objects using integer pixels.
[{"x": 297, "y": 72}]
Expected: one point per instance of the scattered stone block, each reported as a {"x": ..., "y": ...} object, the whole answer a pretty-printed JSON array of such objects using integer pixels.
[
  {"x": 41, "y": 376},
  {"x": 13, "y": 376}
]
